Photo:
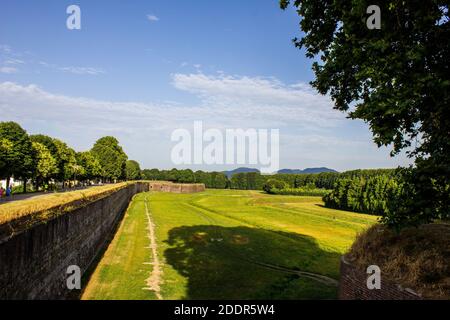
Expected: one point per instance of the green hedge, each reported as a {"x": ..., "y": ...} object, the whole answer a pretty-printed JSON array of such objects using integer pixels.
[
  {"x": 316, "y": 192},
  {"x": 377, "y": 195}
]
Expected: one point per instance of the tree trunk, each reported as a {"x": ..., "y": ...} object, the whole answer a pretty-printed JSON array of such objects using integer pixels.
[
  {"x": 25, "y": 185},
  {"x": 8, "y": 180}
]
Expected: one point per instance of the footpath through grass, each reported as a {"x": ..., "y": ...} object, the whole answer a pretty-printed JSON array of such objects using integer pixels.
[{"x": 228, "y": 244}]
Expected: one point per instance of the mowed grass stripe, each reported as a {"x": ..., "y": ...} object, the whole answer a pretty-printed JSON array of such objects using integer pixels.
[
  {"x": 229, "y": 244},
  {"x": 331, "y": 233},
  {"x": 122, "y": 271}
]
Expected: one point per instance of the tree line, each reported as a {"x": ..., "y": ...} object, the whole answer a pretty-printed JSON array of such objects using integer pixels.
[
  {"x": 388, "y": 194},
  {"x": 47, "y": 161},
  {"x": 215, "y": 180},
  {"x": 372, "y": 195},
  {"x": 256, "y": 181}
]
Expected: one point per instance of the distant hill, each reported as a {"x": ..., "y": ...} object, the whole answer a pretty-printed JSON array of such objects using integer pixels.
[
  {"x": 230, "y": 173},
  {"x": 307, "y": 170}
]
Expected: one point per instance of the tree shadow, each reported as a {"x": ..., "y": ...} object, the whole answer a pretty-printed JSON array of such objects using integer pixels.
[{"x": 251, "y": 263}]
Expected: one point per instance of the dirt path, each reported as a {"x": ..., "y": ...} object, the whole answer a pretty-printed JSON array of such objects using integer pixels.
[{"x": 154, "y": 280}]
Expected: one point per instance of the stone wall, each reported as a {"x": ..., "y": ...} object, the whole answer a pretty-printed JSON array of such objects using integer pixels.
[
  {"x": 33, "y": 263},
  {"x": 165, "y": 186},
  {"x": 353, "y": 286}
]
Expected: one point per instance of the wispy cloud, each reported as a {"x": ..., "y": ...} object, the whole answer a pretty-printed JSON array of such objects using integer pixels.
[
  {"x": 73, "y": 69},
  {"x": 5, "y": 48},
  {"x": 309, "y": 128},
  {"x": 14, "y": 61},
  {"x": 152, "y": 18},
  {"x": 8, "y": 70},
  {"x": 82, "y": 70},
  {"x": 9, "y": 62},
  {"x": 264, "y": 98}
]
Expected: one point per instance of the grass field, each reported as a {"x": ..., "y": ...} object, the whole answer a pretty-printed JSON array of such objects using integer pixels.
[{"x": 225, "y": 244}]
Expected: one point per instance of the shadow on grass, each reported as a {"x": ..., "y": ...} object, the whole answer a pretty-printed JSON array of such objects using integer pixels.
[{"x": 250, "y": 263}]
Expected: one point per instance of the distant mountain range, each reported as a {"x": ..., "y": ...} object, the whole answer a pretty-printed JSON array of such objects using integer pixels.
[
  {"x": 230, "y": 173},
  {"x": 307, "y": 170}
]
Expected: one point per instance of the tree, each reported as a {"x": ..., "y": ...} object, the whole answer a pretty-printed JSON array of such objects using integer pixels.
[
  {"x": 186, "y": 176},
  {"x": 17, "y": 157},
  {"x": 219, "y": 180},
  {"x": 133, "y": 170},
  {"x": 239, "y": 181},
  {"x": 272, "y": 184},
  {"x": 395, "y": 78},
  {"x": 173, "y": 175},
  {"x": 151, "y": 174},
  {"x": 66, "y": 161},
  {"x": 45, "y": 165},
  {"x": 91, "y": 165},
  {"x": 47, "y": 141},
  {"x": 6, "y": 148},
  {"x": 111, "y": 156}
]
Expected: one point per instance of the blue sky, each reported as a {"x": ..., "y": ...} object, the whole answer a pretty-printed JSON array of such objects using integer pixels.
[{"x": 230, "y": 64}]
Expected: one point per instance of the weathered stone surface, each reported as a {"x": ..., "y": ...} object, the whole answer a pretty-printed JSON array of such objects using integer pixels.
[
  {"x": 353, "y": 286},
  {"x": 165, "y": 186},
  {"x": 33, "y": 263}
]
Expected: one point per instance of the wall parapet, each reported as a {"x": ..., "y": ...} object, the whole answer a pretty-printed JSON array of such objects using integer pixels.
[
  {"x": 33, "y": 263},
  {"x": 166, "y": 186}
]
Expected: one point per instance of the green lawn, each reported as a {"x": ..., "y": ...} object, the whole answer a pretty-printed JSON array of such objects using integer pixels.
[{"x": 227, "y": 244}]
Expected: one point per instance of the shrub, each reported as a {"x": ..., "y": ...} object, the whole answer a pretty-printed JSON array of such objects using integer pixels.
[
  {"x": 311, "y": 192},
  {"x": 272, "y": 185}
]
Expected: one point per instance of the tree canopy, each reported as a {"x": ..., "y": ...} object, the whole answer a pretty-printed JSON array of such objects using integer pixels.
[
  {"x": 46, "y": 165},
  {"x": 111, "y": 156},
  {"x": 48, "y": 160},
  {"x": 133, "y": 170},
  {"x": 16, "y": 158},
  {"x": 395, "y": 78}
]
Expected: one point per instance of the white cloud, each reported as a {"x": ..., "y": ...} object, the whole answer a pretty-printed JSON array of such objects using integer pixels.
[
  {"x": 73, "y": 69},
  {"x": 14, "y": 61},
  {"x": 152, "y": 18},
  {"x": 259, "y": 97},
  {"x": 8, "y": 70},
  {"x": 5, "y": 48},
  {"x": 82, "y": 70},
  {"x": 309, "y": 128}
]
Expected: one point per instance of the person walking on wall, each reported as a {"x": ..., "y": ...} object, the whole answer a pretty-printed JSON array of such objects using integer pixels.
[{"x": 8, "y": 191}]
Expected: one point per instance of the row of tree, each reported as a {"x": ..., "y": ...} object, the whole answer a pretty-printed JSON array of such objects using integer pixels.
[
  {"x": 46, "y": 160},
  {"x": 390, "y": 194},
  {"x": 374, "y": 195},
  {"x": 256, "y": 181},
  {"x": 216, "y": 180}
]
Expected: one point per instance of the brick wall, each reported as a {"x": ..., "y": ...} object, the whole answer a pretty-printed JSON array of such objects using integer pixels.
[
  {"x": 33, "y": 263},
  {"x": 353, "y": 286},
  {"x": 164, "y": 186}
]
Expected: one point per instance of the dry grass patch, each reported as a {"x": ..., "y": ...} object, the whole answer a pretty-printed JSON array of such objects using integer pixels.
[
  {"x": 14, "y": 216},
  {"x": 417, "y": 258}
]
